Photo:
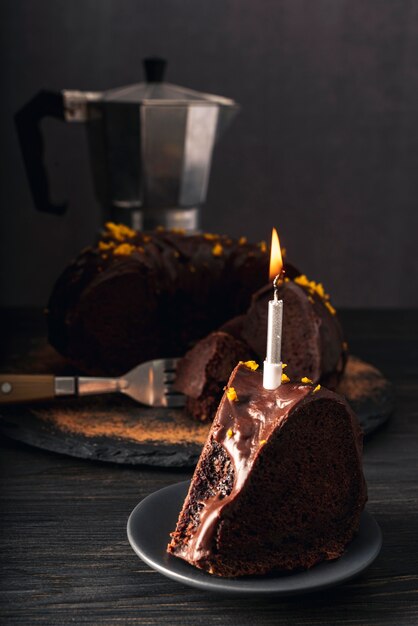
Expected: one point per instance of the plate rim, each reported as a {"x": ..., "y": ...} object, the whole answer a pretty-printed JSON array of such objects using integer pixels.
[{"x": 239, "y": 586}]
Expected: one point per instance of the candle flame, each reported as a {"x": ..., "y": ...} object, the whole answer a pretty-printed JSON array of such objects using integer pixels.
[{"x": 276, "y": 262}]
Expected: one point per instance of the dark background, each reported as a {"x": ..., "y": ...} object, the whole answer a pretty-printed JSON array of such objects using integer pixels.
[{"x": 325, "y": 147}]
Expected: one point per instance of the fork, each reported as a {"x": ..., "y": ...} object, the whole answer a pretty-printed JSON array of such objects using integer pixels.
[{"x": 150, "y": 383}]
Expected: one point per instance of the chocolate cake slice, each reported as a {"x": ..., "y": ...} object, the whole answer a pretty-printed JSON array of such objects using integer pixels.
[
  {"x": 279, "y": 484},
  {"x": 203, "y": 372}
]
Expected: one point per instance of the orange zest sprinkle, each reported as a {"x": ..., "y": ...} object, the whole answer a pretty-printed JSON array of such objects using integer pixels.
[
  {"x": 106, "y": 245},
  {"x": 306, "y": 381},
  {"x": 252, "y": 365},
  {"x": 231, "y": 394},
  {"x": 217, "y": 249},
  {"x": 314, "y": 288},
  {"x": 120, "y": 231},
  {"x": 330, "y": 308},
  {"x": 285, "y": 378},
  {"x": 124, "y": 249},
  {"x": 317, "y": 388},
  {"x": 229, "y": 433}
]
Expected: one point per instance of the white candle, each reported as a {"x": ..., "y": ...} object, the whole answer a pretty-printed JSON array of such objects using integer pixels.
[{"x": 272, "y": 371}]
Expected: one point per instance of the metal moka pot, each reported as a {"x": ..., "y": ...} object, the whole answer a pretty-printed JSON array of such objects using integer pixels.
[{"x": 150, "y": 145}]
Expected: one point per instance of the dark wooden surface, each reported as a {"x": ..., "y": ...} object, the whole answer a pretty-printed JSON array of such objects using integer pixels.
[{"x": 66, "y": 559}]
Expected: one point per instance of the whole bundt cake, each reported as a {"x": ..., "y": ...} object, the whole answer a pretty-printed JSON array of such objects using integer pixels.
[
  {"x": 136, "y": 296},
  {"x": 279, "y": 483}
]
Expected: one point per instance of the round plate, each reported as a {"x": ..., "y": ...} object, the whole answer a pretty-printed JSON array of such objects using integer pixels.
[{"x": 152, "y": 520}]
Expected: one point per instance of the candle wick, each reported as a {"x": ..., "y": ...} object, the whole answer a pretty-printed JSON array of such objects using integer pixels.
[{"x": 277, "y": 282}]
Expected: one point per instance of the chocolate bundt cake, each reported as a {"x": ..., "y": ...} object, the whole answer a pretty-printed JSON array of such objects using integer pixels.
[
  {"x": 279, "y": 483},
  {"x": 136, "y": 296},
  {"x": 312, "y": 343}
]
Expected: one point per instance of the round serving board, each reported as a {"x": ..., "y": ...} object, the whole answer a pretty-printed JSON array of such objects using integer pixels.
[{"x": 116, "y": 429}]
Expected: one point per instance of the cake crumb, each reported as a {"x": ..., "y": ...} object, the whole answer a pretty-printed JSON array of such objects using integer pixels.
[
  {"x": 306, "y": 381},
  {"x": 231, "y": 394},
  {"x": 317, "y": 388},
  {"x": 217, "y": 249},
  {"x": 285, "y": 378}
]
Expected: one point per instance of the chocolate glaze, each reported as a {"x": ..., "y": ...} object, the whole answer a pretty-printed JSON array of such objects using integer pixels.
[{"x": 252, "y": 419}]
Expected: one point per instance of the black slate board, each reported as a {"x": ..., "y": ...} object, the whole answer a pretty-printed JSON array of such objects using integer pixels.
[{"x": 118, "y": 430}]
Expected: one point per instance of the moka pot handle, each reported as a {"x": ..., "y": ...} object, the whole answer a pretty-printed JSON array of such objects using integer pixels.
[{"x": 28, "y": 125}]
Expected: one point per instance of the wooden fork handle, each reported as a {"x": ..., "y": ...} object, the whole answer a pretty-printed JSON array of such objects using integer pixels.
[{"x": 23, "y": 388}]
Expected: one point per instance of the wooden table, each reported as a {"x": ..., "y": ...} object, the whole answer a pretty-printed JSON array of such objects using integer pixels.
[{"x": 66, "y": 559}]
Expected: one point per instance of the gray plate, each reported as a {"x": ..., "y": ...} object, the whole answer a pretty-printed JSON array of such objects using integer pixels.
[{"x": 155, "y": 517}]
